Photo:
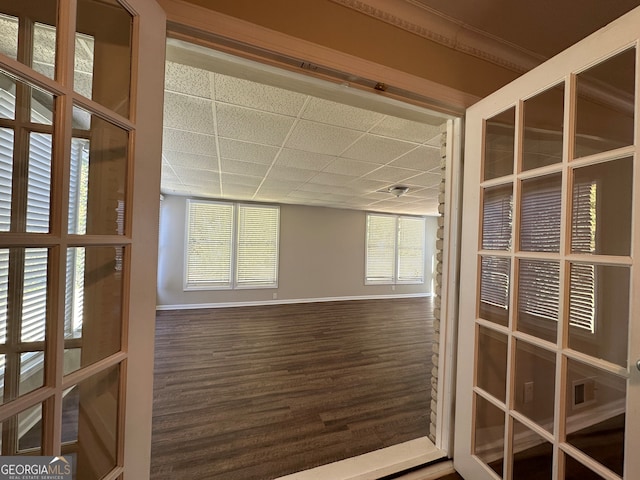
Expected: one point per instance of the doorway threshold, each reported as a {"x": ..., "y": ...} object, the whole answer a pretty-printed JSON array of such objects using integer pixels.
[{"x": 376, "y": 464}]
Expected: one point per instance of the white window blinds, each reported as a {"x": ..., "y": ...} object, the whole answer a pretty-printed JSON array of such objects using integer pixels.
[
  {"x": 257, "y": 246},
  {"x": 231, "y": 246},
  {"x": 395, "y": 249}
]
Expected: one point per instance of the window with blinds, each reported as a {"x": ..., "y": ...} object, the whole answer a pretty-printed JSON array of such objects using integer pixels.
[
  {"x": 231, "y": 245},
  {"x": 395, "y": 249}
]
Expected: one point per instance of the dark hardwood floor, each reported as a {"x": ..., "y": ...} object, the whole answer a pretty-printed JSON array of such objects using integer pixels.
[{"x": 260, "y": 392}]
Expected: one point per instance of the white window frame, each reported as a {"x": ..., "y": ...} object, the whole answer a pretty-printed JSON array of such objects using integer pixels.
[
  {"x": 233, "y": 283},
  {"x": 395, "y": 279}
]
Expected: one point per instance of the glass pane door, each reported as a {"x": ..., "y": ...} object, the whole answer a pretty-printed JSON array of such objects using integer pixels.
[
  {"x": 547, "y": 271},
  {"x": 68, "y": 130}
]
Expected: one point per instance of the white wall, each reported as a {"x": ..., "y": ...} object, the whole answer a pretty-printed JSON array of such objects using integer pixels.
[{"x": 322, "y": 256}]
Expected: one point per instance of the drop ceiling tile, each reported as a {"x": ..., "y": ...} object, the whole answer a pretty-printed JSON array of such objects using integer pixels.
[
  {"x": 435, "y": 141},
  {"x": 306, "y": 160},
  {"x": 381, "y": 150},
  {"x": 421, "y": 158},
  {"x": 391, "y": 174},
  {"x": 331, "y": 179},
  {"x": 243, "y": 168},
  {"x": 318, "y": 188},
  {"x": 320, "y": 138},
  {"x": 181, "y": 159},
  {"x": 172, "y": 189},
  {"x": 366, "y": 185},
  {"x": 238, "y": 192},
  {"x": 241, "y": 123},
  {"x": 290, "y": 174},
  {"x": 430, "y": 193},
  {"x": 188, "y": 142},
  {"x": 279, "y": 185},
  {"x": 332, "y": 113},
  {"x": 208, "y": 191},
  {"x": 244, "y": 180},
  {"x": 350, "y": 167},
  {"x": 402, "y": 129},
  {"x": 192, "y": 176},
  {"x": 168, "y": 175},
  {"x": 186, "y": 79},
  {"x": 247, "y": 151},
  {"x": 250, "y": 94},
  {"x": 188, "y": 113},
  {"x": 425, "y": 180}
]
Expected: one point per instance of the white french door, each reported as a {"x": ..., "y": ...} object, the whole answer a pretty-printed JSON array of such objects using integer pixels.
[
  {"x": 80, "y": 143},
  {"x": 549, "y": 333}
]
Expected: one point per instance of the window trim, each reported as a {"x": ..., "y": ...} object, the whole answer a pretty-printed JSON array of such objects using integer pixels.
[{"x": 233, "y": 283}]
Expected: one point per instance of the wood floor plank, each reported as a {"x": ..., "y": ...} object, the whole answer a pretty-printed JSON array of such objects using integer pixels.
[{"x": 260, "y": 392}]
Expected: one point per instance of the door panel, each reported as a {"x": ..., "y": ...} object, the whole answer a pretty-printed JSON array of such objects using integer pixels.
[
  {"x": 547, "y": 379},
  {"x": 80, "y": 139}
]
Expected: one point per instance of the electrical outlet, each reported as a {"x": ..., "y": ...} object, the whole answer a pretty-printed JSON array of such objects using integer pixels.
[
  {"x": 528, "y": 392},
  {"x": 584, "y": 392}
]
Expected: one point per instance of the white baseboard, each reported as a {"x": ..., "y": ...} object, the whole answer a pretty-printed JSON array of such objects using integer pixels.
[
  {"x": 377, "y": 464},
  {"x": 258, "y": 303}
]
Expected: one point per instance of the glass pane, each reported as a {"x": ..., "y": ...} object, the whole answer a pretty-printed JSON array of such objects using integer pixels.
[
  {"x": 71, "y": 360},
  {"x": 596, "y": 414},
  {"x": 39, "y": 182},
  {"x": 44, "y": 48},
  {"x": 489, "y": 434},
  {"x": 535, "y": 383},
  {"x": 103, "y": 59},
  {"x": 574, "y": 470},
  {"x": 499, "y": 145},
  {"x": 25, "y": 430},
  {"x": 98, "y": 178},
  {"x": 70, "y": 416},
  {"x": 7, "y": 96},
  {"x": 96, "y": 303},
  {"x": 494, "y": 289},
  {"x": 97, "y": 413},
  {"x": 539, "y": 298},
  {"x": 4, "y": 293},
  {"x": 601, "y": 216},
  {"x": 31, "y": 371},
  {"x": 34, "y": 295},
  {"x": 543, "y": 124},
  {"x": 497, "y": 218},
  {"x": 42, "y": 105},
  {"x": 532, "y": 455},
  {"x": 491, "y": 369},
  {"x": 605, "y": 105},
  {"x": 9, "y": 36},
  {"x": 38, "y": 16},
  {"x": 6, "y": 176},
  {"x": 540, "y": 211},
  {"x": 599, "y": 311}
]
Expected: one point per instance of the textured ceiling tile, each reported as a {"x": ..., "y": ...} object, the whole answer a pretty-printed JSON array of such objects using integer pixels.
[
  {"x": 327, "y": 189},
  {"x": 168, "y": 175},
  {"x": 281, "y": 185},
  {"x": 391, "y": 174},
  {"x": 247, "y": 151},
  {"x": 242, "y": 92},
  {"x": 188, "y": 113},
  {"x": 367, "y": 185},
  {"x": 192, "y": 176},
  {"x": 243, "y": 168},
  {"x": 238, "y": 192},
  {"x": 350, "y": 167},
  {"x": 430, "y": 193},
  {"x": 208, "y": 191},
  {"x": 241, "y": 123},
  {"x": 181, "y": 159},
  {"x": 332, "y": 113},
  {"x": 235, "y": 179},
  {"x": 186, "y": 79},
  {"x": 320, "y": 138},
  {"x": 290, "y": 174},
  {"x": 188, "y": 142},
  {"x": 421, "y": 158},
  {"x": 425, "y": 180},
  {"x": 301, "y": 159},
  {"x": 371, "y": 148},
  {"x": 331, "y": 179},
  {"x": 435, "y": 141},
  {"x": 409, "y": 130}
]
